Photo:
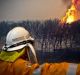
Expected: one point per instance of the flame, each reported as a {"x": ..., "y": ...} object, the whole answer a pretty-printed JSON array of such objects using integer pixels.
[{"x": 70, "y": 14}]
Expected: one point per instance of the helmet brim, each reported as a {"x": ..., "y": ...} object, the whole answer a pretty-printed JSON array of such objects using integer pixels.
[
  {"x": 30, "y": 38},
  {"x": 16, "y": 48}
]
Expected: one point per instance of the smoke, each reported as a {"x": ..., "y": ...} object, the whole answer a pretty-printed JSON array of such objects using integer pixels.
[
  {"x": 77, "y": 4},
  {"x": 76, "y": 1},
  {"x": 67, "y": 3}
]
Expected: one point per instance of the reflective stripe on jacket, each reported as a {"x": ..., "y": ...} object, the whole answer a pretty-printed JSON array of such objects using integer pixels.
[
  {"x": 20, "y": 67},
  {"x": 72, "y": 69}
]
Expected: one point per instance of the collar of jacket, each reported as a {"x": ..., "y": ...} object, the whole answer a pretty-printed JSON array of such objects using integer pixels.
[{"x": 10, "y": 56}]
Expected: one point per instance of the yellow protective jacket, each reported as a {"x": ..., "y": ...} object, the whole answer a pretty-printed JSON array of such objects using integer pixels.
[
  {"x": 20, "y": 67},
  {"x": 58, "y": 69}
]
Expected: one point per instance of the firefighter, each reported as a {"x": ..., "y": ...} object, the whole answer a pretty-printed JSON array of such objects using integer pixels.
[{"x": 18, "y": 57}]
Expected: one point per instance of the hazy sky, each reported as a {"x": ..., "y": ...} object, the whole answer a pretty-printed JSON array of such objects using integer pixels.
[{"x": 31, "y": 9}]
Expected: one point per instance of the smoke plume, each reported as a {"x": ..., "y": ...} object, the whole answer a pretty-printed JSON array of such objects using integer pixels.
[{"x": 67, "y": 3}]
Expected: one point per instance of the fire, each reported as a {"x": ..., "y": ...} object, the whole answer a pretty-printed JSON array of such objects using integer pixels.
[
  {"x": 70, "y": 14},
  {"x": 71, "y": 17}
]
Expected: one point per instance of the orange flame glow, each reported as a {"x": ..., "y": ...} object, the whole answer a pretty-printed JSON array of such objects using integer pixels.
[
  {"x": 71, "y": 17},
  {"x": 70, "y": 14}
]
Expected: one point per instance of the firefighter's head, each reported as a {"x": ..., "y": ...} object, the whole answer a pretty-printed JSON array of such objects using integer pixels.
[{"x": 17, "y": 40}]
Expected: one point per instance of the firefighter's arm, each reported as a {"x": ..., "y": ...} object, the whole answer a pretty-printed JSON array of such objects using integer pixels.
[
  {"x": 51, "y": 69},
  {"x": 33, "y": 68},
  {"x": 58, "y": 69}
]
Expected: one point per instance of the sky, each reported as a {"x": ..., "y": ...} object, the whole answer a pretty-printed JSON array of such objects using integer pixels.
[{"x": 15, "y": 10}]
